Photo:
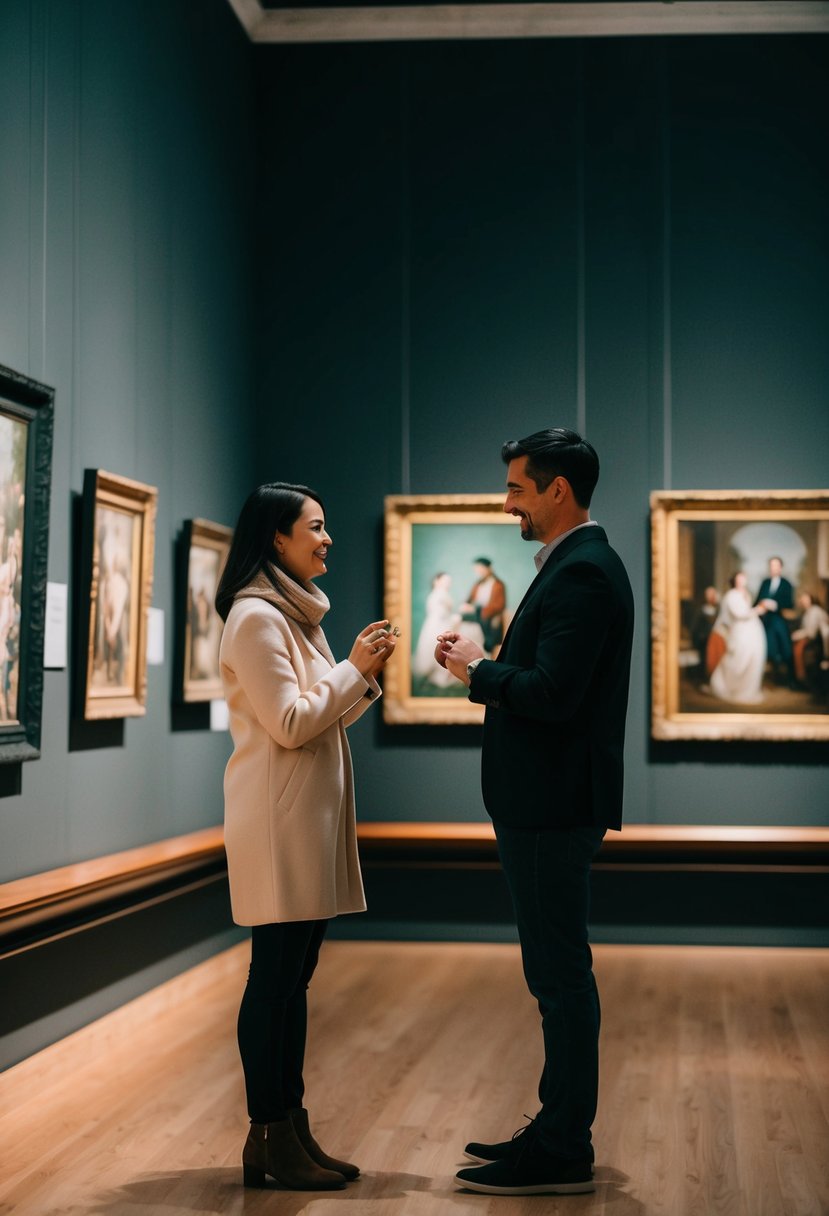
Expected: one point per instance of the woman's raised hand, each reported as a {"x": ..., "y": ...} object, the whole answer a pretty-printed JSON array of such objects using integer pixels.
[{"x": 373, "y": 647}]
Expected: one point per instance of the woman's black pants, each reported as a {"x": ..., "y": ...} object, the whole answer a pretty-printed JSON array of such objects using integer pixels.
[{"x": 273, "y": 1016}]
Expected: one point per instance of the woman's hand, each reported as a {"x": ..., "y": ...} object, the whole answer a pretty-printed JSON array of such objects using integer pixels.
[{"x": 372, "y": 648}]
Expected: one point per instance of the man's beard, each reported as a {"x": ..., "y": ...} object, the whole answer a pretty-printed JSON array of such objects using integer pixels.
[{"x": 529, "y": 534}]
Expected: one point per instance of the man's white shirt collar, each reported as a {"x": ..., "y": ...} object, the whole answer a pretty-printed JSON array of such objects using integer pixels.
[{"x": 542, "y": 554}]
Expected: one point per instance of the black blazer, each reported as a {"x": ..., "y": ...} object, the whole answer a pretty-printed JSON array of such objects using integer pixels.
[
  {"x": 557, "y": 694},
  {"x": 783, "y": 596}
]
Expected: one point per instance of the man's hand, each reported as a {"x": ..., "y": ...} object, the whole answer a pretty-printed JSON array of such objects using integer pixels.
[{"x": 454, "y": 653}]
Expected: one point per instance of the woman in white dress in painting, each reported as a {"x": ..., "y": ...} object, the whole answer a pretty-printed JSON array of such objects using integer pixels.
[
  {"x": 440, "y": 616},
  {"x": 738, "y": 677}
]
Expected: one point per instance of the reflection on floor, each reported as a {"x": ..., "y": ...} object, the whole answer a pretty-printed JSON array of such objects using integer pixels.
[{"x": 714, "y": 1093}]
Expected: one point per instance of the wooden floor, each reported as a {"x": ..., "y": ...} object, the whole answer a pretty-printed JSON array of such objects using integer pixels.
[{"x": 715, "y": 1088}]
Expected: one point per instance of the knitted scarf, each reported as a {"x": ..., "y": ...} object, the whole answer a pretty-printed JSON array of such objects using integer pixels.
[{"x": 300, "y": 602}]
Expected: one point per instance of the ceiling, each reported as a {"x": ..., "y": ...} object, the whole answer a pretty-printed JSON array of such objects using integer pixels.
[{"x": 284, "y": 21}]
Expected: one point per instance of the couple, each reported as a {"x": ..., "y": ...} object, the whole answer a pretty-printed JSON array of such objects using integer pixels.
[{"x": 556, "y": 701}]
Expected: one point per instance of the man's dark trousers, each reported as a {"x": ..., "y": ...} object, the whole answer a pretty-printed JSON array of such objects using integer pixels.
[
  {"x": 548, "y": 874},
  {"x": 552, "y": 778}
]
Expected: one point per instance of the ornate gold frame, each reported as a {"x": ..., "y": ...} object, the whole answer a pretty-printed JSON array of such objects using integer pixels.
[
  {"x": 668, "y": 509},
  {"x": 402, "y": 512},
  {"x": 133, "y": 498}
]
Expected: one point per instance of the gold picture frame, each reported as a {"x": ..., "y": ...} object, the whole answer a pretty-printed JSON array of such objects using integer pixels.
[
  {"x": 118, "y": 541},
  {"x": 748, "y": 661},
  {"x": 205, "y": 547},
  {"x": 436, "y": 548}
]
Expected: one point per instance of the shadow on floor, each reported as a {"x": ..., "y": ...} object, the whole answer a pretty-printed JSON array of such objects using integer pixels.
[{"x": 219, "y": 1191}]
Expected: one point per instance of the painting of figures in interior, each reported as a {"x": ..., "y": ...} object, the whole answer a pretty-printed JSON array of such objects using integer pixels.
[
  {"x": 117, "y": 581},
  {"x": 453, "y": 561},
  {"x": 740, "y": 625}
]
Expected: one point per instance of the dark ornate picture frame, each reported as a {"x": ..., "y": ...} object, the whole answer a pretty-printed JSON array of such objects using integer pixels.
[
  {"x": 29, "y": 405},
  {"x": 202, "y": 553}
]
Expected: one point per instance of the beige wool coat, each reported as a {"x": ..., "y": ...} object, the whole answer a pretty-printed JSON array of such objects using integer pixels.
[{"x": 290, "y": 826}]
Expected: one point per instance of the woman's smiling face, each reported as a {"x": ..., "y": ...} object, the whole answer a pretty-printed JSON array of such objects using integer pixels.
[{"x": 304, "y": 550}]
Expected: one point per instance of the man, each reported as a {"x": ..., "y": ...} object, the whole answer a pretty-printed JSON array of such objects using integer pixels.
[
  {"x": 556, "y": 701},
  {"x": 701, "y": 627},
  {"x": 777, "y": 595},
  {"x": 810, "y": 644},
  {"x": 486, "y": 603}
]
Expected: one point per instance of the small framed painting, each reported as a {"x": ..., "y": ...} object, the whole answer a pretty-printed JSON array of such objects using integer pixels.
[
  {"x": 203, "y": 553},
  {"x": 117, "y": 545},
  {"x": 26, "y": 420}
]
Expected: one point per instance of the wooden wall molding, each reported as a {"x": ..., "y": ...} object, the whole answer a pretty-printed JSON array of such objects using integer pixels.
[
  {"x": 42, "y": 906},
  {"x": 56, "y": 901},
  {"x": 405, "y": 23}
]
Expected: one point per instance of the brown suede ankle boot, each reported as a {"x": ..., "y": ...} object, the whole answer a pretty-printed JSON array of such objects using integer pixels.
[
  {"x": 274, "y": 1149},
  {"x": 299, "y": 1118}
]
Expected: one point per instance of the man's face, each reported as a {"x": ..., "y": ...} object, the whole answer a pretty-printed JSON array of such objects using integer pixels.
[
  {"x": 775, "y": 567},
  {"x": 537, "y": 512},
  {"x": 481, "y": 571}
]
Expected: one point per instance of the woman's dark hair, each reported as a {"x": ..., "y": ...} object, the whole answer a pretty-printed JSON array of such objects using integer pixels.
[
  {"x": 557, "y": 452},
  {"x": 271, "y": 508}
]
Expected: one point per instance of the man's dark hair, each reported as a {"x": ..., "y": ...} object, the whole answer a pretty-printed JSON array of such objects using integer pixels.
[
  {"x": 482, "y": 561},
  {"x": 271, "y": 508},
  {"x": 557, "y": 452}
]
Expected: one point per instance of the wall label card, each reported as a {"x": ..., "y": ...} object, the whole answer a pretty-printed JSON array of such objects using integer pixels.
[
  {"x": 55, "y": 636},
  {"x": 155, "y": 637}
]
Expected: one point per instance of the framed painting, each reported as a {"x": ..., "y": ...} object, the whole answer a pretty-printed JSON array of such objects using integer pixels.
[
  {"x": 204, "y": 550},
  {"x": 452, "y": 561},
  {"x": 26, "y": 421},
  {"x": 117, "y": 544},
  {"x": 740, "y": 629}
]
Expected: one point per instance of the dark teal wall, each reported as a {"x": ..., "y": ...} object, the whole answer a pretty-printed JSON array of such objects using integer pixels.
[
  {"x": 462, "y": 243},
  {"x": 429, "y": 249},
  {"x": 126, "y": 172}
]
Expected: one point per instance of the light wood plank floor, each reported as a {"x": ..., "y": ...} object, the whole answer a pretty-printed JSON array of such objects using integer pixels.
[{"x": 715, "y": 1088}]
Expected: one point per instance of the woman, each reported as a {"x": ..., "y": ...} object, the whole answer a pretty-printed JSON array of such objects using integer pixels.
[
  {"x": 440, "y": 616},
  {"x": 738, "y": 677},
  {"x": 290, "y": 831}
]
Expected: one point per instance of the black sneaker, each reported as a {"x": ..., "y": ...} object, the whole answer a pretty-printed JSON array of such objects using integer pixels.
[
  {"x": 484, "y": 1154},
  {"x": 529, "y": 1173}
]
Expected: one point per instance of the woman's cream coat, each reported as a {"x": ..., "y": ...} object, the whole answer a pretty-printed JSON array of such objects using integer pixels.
[{"x": 290, "y": 828}]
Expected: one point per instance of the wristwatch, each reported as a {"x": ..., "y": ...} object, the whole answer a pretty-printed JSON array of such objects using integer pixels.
[{"x": 470, "y": 667}]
